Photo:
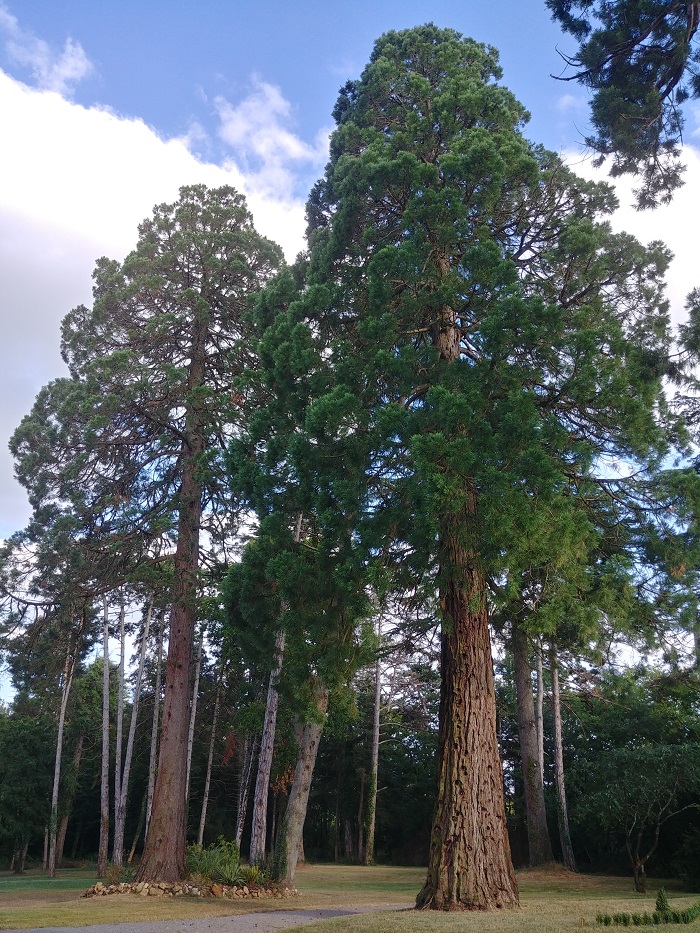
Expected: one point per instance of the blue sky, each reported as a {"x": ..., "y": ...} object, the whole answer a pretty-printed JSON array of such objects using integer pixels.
[
  {"x": 108, "y": 108},
  {"x": 168, "y": 62}
]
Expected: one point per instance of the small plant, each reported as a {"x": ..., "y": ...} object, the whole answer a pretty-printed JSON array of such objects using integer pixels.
[
  {"x": 254, "y": 874},
  {"x": 662, "y": 904},
  {"x": 220, "y": 862},
  {"x": 117, "y": 873},
  {"x": 664, "y": 913}
]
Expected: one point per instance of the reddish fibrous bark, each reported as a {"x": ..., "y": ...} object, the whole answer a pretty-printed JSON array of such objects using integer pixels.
[
  {"x": 470, "y": 866},
  {"x": 164, "y": 853}
]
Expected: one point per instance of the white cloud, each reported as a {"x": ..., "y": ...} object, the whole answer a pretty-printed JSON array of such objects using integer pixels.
[
  {"x": 673, "y": 223},
  {"x": 570, "y": 103},
  {"x": 51, "y": 70},
  {"x": 272, "y": 156},
  {"x": 76, "y": 183}
]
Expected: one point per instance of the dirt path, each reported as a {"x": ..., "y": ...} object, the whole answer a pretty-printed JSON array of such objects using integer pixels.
[{"x": 241, "y": 923}]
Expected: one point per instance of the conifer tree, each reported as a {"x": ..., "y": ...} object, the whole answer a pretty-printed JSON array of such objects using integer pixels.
[
  {"x": 469, "y": 337},
  {"x": 136, "y": 435}
]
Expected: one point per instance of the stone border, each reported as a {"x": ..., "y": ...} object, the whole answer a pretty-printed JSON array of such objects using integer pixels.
[{"x": 190, "y": 889}]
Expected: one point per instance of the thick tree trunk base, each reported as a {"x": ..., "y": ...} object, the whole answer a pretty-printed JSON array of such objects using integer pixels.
[{"x": 470, "y": 864}]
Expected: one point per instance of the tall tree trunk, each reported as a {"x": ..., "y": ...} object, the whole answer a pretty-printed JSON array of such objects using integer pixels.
[
  {"x": 210, "y": 759},
  {"x": 267, "y": 746},
  {"x": 67, "y": 681},
  {"x": 153, "y": 755},
  {"x": 118, "y": 840},
  {"x": 249, "y": 751},
  {"x": 68, "y": 804},
  {"x": 539, "y": 707},
  {"x": 139, "y": 828},
  {"x": 258, "y": 833},
  {"x": 104, "y": 770},
  {"x": 164, "y": 853},
  {"x": 361, "y": 848},
  {"x": 23, "y": 856},
  {"x": 120, "y": 820},
  {"x": 470, "y": 865},
  {"x": 193, "y": 711},
  {"x": 293, "y": 825},
  {"x": 368, "y": 854},
  {"x": 567, "y": 851},
  {"x": 540, "y": 846}
]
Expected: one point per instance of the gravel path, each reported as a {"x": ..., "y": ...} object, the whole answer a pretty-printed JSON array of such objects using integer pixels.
[{"x": 241, "y": 923}]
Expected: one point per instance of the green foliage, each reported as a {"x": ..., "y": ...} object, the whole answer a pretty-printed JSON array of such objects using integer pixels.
[
  {"x": 220, "y": 862},
  {"x": 662, "y": 915},
  {"x": 254, "y": 874},
  {"x": 26, "y": 762},
  {"x": 687, "y": 861},
  {"x": 640, "y": 59},
  {"x": 662, "y": 904}
]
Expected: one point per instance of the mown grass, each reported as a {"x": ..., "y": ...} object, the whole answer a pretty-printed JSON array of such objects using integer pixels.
[{"x": 553, "y": 901}]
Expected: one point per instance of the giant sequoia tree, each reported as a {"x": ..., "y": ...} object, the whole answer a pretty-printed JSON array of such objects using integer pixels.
[
  {"x": 470, "y": 338},
  {"x": 143, "y": 423}
]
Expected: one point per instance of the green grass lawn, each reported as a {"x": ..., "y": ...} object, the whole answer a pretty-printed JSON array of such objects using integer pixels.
[{"x": 552, "y": 901}]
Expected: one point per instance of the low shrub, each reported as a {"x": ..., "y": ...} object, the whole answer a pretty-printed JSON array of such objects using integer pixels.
[
  {"x": 218, "y": 863},
  {"x": 663, "y": 914}
]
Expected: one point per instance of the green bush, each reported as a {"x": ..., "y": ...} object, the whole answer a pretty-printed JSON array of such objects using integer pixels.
[
  {"x": 662, "y": 904},
  {"x": 663, "y": 914},
  {"x": 254, "y": 874},
  {"x": 218, "y": 863}
]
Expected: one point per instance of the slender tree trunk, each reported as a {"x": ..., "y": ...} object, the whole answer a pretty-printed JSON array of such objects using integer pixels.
[
  {"x": 45, "y": 855},
  {"x": 249, "y": 751},
  {"x": 153, "y": 756},
  {"x": 63, "y": 828},
  {"x": 295, "y": 814},
  {"x": 368, "y": 855},
  {"x": 104, "y": 771},
  {"x": 470, "y": 865},
  {"x": 193, "y": 711},
  {"x": 67, "y": 681},
  {"x": 139, "y": 828},
  {"x": 118, "y": 840},
  {"x": 539, "y": 707},
  {"x": 267, "y": 744},
  {"x": 258, "y": 835},
  {"x": 567, "y": 851},
  {"x": 78, "y": 837},
  {"x": 120, "y": 821},
  {"x": 361, "y": 848},
  {"x": 210, "y": 759},
  {"x": 164, "y": 853},
  {"x": 23, "y": 856},
  {"x": 539, "y": 843}
]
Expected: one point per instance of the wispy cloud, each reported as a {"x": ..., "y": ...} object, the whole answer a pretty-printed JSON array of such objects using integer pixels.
[
  {"x": 694, "y": 120},
  {"x": 52, "y": 70},
  {"x": 258, "y": 131},
  {"x": 570, "y": 103}
]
